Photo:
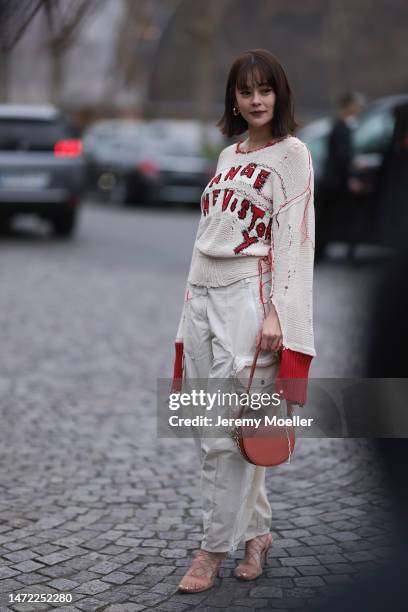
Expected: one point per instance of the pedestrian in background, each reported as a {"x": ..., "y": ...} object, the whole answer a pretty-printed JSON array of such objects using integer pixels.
[
  {"x": 249, "y": 284},
  {"x": 338, "y": 186}
]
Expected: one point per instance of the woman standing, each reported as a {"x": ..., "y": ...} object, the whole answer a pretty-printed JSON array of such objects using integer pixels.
[{"x": 250, "y": 282}]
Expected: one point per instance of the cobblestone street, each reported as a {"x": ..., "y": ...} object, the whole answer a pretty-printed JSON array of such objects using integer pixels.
[{"x": 92, "y": 503}]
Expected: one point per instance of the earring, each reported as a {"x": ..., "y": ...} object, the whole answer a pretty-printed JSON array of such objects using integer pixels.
[{"x": 235, "y": 111}]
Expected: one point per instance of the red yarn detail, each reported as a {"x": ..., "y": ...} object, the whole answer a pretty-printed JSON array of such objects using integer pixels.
[
  {"x": 308, "y": 190},
  {"x": 268, "y": 144},
  {"x": 268, "y": 260},
  {"x": 308, "y": 201}
]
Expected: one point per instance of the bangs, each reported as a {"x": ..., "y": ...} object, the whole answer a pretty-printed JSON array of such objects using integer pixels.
[{"x": 253, "y": 73}]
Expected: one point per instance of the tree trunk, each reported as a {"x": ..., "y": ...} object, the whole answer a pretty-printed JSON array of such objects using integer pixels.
[{"x": 56, "y": 76}]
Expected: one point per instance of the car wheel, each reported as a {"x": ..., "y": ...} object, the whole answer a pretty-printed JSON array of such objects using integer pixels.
[
  {"x": 119, "y": 193},
  {"x": 64, "y": 225}
]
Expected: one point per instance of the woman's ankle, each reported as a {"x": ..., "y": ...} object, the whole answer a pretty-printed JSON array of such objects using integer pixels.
[{"x": 216, "y": 555}]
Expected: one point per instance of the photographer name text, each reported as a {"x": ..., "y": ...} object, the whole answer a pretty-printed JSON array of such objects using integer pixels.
[{"x": 205, "y": 421}]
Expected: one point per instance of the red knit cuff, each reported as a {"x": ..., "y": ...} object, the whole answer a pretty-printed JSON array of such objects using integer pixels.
[
  {"x": 178, "y": 367},
  {"x": 292, "y": 376}
]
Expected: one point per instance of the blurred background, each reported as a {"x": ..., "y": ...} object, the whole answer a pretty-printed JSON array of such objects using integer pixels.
[{"x": 107, "y": 139}]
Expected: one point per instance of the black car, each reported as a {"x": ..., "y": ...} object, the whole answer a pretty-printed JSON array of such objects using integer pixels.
[
  {"x": 41, "y": 165},
  {"x": 372, "y": 136},
  {"x": 150, "y": 162}
]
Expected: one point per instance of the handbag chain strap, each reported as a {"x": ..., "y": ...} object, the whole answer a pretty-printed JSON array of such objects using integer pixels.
[{"x": 251, "y": 375}]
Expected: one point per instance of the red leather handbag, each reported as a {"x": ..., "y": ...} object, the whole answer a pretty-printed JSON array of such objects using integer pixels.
[{"x": 266, "y": 445}]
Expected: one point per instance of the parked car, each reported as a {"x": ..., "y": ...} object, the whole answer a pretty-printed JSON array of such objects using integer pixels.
[
  {"x": 41, "y": 165},
  {"x": 112, "y": 150},
  {"x": 371, "y": 139},
  {"x": 151, "y": 162}
]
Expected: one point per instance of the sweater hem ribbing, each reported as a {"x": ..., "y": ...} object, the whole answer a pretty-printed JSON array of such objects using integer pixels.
[{"x": 210, "y": 271}]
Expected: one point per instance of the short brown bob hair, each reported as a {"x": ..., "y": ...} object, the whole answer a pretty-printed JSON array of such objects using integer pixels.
[{"x": 270, "y": 70}]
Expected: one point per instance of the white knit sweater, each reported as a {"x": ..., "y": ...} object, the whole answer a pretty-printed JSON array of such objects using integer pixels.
[{"x": 260, "y": 203}]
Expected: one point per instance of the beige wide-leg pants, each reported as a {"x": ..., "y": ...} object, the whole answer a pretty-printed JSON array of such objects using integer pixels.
[{"x": 220, "y": 328}]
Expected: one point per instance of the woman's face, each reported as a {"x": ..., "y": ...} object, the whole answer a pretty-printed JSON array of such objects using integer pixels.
[{"x": 256, "y": 103}]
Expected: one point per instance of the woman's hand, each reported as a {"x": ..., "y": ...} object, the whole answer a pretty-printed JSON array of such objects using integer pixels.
[{"x": 270, "y": 334}]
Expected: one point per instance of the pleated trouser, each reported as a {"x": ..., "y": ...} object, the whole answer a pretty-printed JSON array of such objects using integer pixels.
[{"x": 221, "y": 325}]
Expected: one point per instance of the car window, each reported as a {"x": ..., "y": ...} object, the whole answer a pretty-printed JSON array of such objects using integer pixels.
[
  {"x": 374, "y": 132},
  {"x": 33, "y": 135},
  {"x": 158, "y": 137},
  {"x": 173, "y": 146}
]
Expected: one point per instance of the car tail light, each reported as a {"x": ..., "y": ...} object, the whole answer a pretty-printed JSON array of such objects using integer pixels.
[
  {"x": 68, "y": 148},
  {"x": 148, "y": 168}
]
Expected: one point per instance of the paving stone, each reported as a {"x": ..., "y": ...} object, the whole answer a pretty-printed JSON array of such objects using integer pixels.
[
  {"x": 313, "y": 570},
  {"x": 7, "y": 572},
  {"x": 301, "y": 551},
  {"x": 294, "y": 533},
  {"x": 280, "y": 582},
  {"x": 30, "y": 607},
  {"x": 59, "y": 556},
  {"x": 338, "y": 579},
  {"x": 345, "y": 536},
  {"x": 62, "y": 584},
  {"x": 113, "y": 596},
  {"x": 266, "y": 592},
  {"x": 32, "y": 578},
  {"x": 282, "y": 572},
  {"x": 174, "y": 553},
  {"x": 104, "y": 567},
  {"x": 129, "y": 607},
  {"x": 286, "y": 604},
  {"x": 294, "y": 561},
  {"x": 252, "y": 604},
  {"x": 316, "y": 540},
  {"x": 21, "y": 555},
  {"x": 308, "y": 581},
  {"x": 135, "y": 567},
  {"x": 88, "y": 604},
  {"x": 301, "y": 592},
  {"x": 117, "y": 577},
  {"x": 56, "y": 571},
  {"x": 93, "y": 497},
  {"x": 359, "y": 556},
  {"x": 92, "y": 587},
  {"x": 340, "y": 568},
  {"x": 149, "y": 599},
  {"x": 177, "y": 606},
  {"x": 45, "y": 549},
  {"x": 27, "y": 566}
]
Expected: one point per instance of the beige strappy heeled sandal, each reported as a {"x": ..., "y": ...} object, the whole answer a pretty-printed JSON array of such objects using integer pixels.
[
  {"x": 202, "y": 572},
  {"x": 256, "y": 551}
]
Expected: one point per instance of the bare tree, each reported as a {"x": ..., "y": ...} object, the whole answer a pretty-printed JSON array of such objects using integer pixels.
[
  {"x": 206, "y": 18},
  {"x": 64, "y": 19},
  {"x": 141, "y": 26},
  {"x": 15, "y": 17}
]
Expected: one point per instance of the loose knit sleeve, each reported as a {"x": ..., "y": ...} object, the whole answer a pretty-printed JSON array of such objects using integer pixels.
[
  {"x": 292, "y": 251},
  {"x": 178, "y": 363},
  {"x": 180, "y": 329}
]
